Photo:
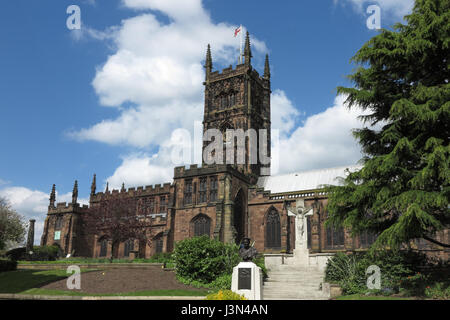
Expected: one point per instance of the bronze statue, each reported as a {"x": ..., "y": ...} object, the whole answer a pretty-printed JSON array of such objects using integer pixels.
[{"x": 246, "y": 252}]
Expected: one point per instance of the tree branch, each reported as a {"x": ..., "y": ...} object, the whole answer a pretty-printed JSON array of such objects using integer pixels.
[{"x": 436, "y": 242}]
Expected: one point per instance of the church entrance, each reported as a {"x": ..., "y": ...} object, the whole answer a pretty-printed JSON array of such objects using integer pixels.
[{"x": 239, "y": 214}]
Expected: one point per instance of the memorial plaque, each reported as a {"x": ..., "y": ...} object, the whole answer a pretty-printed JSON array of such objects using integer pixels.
[{"x": 245, "y": 279}]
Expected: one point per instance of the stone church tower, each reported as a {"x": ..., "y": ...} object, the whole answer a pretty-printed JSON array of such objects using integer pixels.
[
  {"x": 239, "y": 100},
  {"x": 213, "y": 199}
]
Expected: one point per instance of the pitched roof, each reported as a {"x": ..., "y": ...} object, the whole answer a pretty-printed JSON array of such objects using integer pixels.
[{"x": 306, "y": 180}]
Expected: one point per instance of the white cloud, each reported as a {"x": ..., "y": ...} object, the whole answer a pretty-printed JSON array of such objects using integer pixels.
[
  {"x": 33, "y": 204},
  {"x": 283, "y": 112},
  {"x": 3, "y": 182},
  {"x": 324, "y": 140},
  {"x": 396, "y": 9},
  {"x": 155, "y": 76}
]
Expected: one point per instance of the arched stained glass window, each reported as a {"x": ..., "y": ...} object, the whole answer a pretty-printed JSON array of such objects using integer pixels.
[
  {"x": 273, "y": 229},
  {"x": 202, "y": 226}
]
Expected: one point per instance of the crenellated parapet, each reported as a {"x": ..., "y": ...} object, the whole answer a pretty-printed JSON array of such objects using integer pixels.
[
  {"x": 194, "y": 171},
  {"x": 141, "y": 191},
  {"x": 64, "y": 207}
]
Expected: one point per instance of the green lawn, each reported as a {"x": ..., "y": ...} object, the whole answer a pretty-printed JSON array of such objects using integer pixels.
[
  {"x": 137, "y": 293},
  {"x": 30, "y": 281},
  {"x": 20, "y": 281}
]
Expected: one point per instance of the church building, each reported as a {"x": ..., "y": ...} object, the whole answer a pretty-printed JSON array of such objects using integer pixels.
[{"x": 226, "y": 201}]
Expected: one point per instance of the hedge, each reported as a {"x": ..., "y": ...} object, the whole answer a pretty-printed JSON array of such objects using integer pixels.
[{"x": 7, "y": 265}]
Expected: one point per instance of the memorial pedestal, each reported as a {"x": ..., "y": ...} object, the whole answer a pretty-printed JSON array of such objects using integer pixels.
[{"x": 247, "y": 280}]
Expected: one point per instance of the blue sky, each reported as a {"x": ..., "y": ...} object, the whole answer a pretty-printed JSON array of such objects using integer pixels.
[{"x": 105, "y": 99}]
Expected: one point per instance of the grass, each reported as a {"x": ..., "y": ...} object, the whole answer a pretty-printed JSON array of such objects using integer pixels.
[
  {"x": 90, "y": 260},
  {"x": 169, "y": 263},
  {"x": 22, "y": 280},
  {"x": 185, "y": 293},
  {"x": 30, "y": 281}
]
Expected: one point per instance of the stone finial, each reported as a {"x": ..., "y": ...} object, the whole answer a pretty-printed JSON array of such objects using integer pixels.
[
  {"x": 208, "y": 62},
  {"x": 94, "y": 185},
  {"x": 123, "y": 187},
  {"x": 267, "y": 68},
  {"x": 53, "y": 196},
  {"x": 247, "y": 50},
  {"x": 75, "y": 192},
  {"x": 107, "y": 187}
]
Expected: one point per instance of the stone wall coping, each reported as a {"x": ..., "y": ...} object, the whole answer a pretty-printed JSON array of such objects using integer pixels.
[
  {"x": 88, "y": 265},
  {"x": 8, "y": 296}
]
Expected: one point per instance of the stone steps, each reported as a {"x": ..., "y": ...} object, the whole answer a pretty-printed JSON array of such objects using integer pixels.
[{"x": 291, "y": 282}]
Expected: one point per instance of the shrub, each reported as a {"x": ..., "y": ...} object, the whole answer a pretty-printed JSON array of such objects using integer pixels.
[
  {"x": 439, "y": 290},
  {"x": 203, "y": 259},
  {"x": 44, "y": 253},
  {"x": 347, "y": 271},
  {"x": 399, "y": 269},
  {"x": 260, "y": 263},
  {"x": 16, "y": 254},
  {"x": 225, "y": 295},
  {"x": 222, "y": 283},
  {"x": 7, "y": 265}
]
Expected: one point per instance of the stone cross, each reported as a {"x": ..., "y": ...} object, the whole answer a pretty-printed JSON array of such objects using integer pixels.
[{"x": 301, "y": 232}]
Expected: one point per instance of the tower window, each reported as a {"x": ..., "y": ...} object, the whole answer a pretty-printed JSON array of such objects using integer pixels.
[
  {"x": 232, "y": 99},
  {"x": 162, "y": 204},
  {"x": 202, "y": 191},
  {"x": 188, "y": 192},
  {"x": 213, "y": 189},
  {"x": 58, "y": 222}
]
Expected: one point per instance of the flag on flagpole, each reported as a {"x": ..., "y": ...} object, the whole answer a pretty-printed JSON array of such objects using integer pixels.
[{"x": 236, "y": 32}]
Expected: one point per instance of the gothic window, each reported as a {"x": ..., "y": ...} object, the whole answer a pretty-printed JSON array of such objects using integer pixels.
[
  {"x": 188, "y": 192},
  {"x": 128, "y": 247},
  {"x": 159, "y": 243},
  {"x": 232, "y": 99},
  {"x": 58, "y": 222},
  {"x": 202, "y": 191},
  {"x": 147, "y": 205},
  {"x": 366, "y": 238},
  {"x": 213, "y": 189},
  {"x": 202, "y": 226},
  {"x": 162, "y": 204},
  {"x": 103, "y": 247},
  {"x": 224, "y": 102},
  {"x": 273, "y": 229},
  {"x": 335, "y": 237}
]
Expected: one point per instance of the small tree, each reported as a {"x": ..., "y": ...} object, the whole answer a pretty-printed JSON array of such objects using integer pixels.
[
  {"x": 12, "y": 225},
  {"x": 402, "y": 192},
  {"x": 117, "y": 220}
]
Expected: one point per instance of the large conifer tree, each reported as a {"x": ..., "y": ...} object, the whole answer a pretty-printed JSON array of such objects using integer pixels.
[{"x": 402, "y": 191}]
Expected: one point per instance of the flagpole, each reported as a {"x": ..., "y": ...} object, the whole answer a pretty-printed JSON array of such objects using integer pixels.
[{"x": 240, "y": 45}]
